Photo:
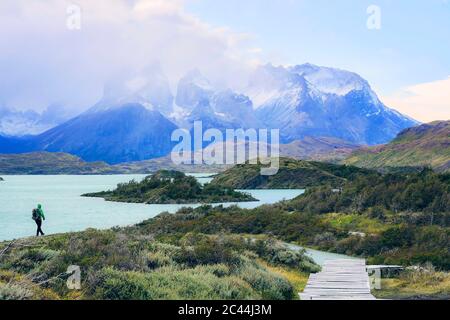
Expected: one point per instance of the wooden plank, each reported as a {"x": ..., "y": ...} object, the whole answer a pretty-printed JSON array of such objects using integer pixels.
[
  {"x": 335, "y": 291},
  {"x": 339, "y": 280},
  {"x": 337, "y": 285},
  {"x": 353, "y": 298}
]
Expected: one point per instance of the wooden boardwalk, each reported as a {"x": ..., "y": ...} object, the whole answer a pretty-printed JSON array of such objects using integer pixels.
[{"x": 339, "y": 280}]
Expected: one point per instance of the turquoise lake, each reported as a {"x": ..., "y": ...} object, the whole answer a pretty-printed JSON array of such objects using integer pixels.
[{"x": 67, "y": 211}]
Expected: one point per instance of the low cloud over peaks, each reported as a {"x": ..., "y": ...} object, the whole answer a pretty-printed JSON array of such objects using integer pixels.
[{"x": 43, "y": 62}]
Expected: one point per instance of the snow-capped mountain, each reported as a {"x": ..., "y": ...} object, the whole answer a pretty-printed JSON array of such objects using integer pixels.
[
  {"x": 199, "y": 100},
  {"x": 135, "y": 118},
  {"x": 22, "y": 123},
  {"x": 330, "y": 80},
  {"x": 308, "y": 100},
  {"x": 225, "y": 110}
]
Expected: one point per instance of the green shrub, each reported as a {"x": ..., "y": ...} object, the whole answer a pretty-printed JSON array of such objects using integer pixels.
[
  {"x": 190, "y": 284},
  {"x": 27, "y": 260},
  {"x": 270, "y": 286},
  {"x": 14, "y": 292},
  {"x": 278, "y": 254}
]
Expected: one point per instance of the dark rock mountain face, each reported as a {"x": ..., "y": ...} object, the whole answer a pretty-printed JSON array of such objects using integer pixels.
[
  {"x": 14, "y": 145},
  {"x": 128, "y": 133}
]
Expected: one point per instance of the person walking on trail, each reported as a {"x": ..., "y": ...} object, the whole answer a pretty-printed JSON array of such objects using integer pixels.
[{"x": 38, "y": 216}]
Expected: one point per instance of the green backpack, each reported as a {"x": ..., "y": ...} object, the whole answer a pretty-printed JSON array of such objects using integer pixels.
[{"x": 35, "y": 214}]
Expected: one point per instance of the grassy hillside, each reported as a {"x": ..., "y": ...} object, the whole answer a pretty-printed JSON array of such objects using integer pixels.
[
  {"x": 166, "y": 187},
  {"x": 293, "y": 174},
  {"x": 422, "y": 146}
]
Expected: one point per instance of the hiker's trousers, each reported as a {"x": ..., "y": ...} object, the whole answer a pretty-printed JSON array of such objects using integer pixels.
[{"x": 39, "y": 230}]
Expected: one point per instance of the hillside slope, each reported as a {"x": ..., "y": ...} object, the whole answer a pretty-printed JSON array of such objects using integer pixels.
[
  {"x": 293, "y": 174},
  {"x": 421, "y": 146}
]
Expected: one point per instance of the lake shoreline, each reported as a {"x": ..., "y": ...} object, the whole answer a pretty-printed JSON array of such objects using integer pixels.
[{"x": 66, "y": 211}]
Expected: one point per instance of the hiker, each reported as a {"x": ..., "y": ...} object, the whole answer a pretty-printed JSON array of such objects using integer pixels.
[{"x": 38, "y": 216}]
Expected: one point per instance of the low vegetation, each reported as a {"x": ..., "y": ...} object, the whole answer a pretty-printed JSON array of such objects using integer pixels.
[
  {"x": 392, "y": 239},
  {"x": 422, "y": 282},
  {"x": 166, "y": 187},
  {"x": 130, "y": 263},
  {"x": 426, "y": 192},
  {"x": 218, "y": 252}
]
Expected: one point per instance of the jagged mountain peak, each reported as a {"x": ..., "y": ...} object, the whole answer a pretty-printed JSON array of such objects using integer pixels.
[
  {"x": 149, "y": 88},
  {"x": 331, "y": 80},
  {"x": 195, "y": 77},
  {"x": 192, "y": 88},
  {"x": 269, "y": 82}
]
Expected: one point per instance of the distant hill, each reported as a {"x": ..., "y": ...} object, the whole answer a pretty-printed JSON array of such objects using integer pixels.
[
  {"x": 54, "y": 163},
  {"x": 421, "y": 146},
  {"x": 51, "y": 163},
  {"x": 293, "y": 174},
  {"x": 318, "y": 149}
]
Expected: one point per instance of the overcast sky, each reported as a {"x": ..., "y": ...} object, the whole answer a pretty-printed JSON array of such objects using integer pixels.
[{"x": 43, "y": 61}]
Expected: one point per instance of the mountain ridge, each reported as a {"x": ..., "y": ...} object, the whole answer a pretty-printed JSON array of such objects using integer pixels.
[{"x": 135, "y": 118}]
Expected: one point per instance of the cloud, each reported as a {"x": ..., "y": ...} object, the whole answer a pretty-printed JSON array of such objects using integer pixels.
[
  {"x": 425, "y": 102},
  {"x": 42, "y": 62}
]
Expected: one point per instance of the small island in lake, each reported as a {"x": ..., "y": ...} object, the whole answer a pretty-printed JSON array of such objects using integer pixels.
[{"x": 171, "y": 187}]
